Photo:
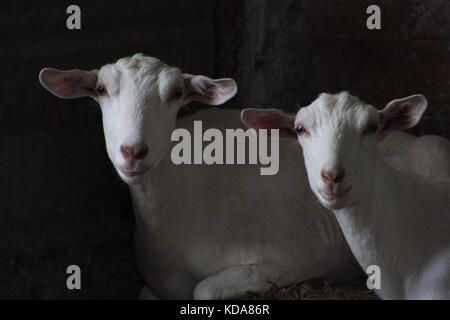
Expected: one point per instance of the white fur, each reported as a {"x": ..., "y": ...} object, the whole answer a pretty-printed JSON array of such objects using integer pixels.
[
  {"x": 390, "y": 218},
  {"x": 427, "y": 156},
  {"x": 209, "y": 232}
]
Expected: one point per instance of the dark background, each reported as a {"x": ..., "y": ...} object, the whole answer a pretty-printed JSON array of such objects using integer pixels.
[{"x": 61, "y": 202}]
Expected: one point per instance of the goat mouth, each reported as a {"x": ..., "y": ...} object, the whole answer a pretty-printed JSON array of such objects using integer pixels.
[
  {"x": 133, "y": 173},
  {"x": 330, "y": 196}
]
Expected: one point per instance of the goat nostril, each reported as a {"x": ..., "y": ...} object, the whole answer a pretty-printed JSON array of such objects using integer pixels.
[
  {"x": 127, "y": 152},
  {"x": 334, "y": 176},
  {"x": 141, "y": 153},
  {"x": 339, "y": 176},
  {"x": 136, "y": 153},
  {"x": 326, "y": 177}
]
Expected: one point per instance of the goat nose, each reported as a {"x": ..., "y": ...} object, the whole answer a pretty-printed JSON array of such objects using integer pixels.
[
  {"x": 136, "y": 152},
  {"x": 332, "y": 176}
]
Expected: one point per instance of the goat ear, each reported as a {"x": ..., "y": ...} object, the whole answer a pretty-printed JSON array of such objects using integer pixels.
[
  {"x": 209, "y": 91},
  {"x": 269, "y": 119},
  {"x": 69, "y": 84},
  {"x": 401, "y": 114}
]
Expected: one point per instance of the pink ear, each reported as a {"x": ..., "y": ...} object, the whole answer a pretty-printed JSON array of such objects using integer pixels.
[
  {"x": 269, "y": 119},
  {"x": 209, "y": 91},
  {"x": 401, "y": 114},
  {"x": 69, "y": 84}
]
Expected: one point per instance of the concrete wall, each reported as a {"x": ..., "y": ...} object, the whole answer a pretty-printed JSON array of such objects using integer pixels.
[
  {"x": 285, "y": 52},
  {"x": 61, "y": 202}
]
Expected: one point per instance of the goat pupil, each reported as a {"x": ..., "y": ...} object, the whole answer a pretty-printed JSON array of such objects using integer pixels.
[
  {"x": 100, "y": 89},
  {"x": 300, "y": 129},
  {"x": 178, "y": 93},
  {"x": 372, "y": 129}
]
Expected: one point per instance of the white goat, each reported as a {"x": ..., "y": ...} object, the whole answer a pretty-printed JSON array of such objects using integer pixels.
[
  {"x": 204, "y": 232},
  {"x": 397, "y": 221}
]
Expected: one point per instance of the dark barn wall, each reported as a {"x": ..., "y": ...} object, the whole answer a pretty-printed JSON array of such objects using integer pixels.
[
  {"x": 61, "y": 202},
  {"x": 283, "y": 53}
]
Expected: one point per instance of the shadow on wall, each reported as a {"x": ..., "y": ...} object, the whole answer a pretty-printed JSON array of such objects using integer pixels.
[
  {"x": 284, "y": 53},
  {"x": 61, "y": 202}
]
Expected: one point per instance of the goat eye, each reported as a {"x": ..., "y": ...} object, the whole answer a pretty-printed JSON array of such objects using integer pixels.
[
  {"x": 178, "y": 93},
  {"x": 373, "y": 128},
  {"x": 100, "y": 90},
  {"x": 300, "y": 129}
]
